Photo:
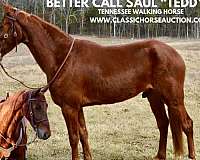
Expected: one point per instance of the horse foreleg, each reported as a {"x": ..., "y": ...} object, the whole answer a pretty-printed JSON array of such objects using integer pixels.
[
  {"x": 84, "y": 136},
  {"x": 71, "y": 118},
  {"x": 158, "y": 109}
]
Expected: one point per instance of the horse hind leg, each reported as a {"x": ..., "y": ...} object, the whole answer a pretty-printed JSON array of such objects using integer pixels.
[
  {"x": 188, "y": 130},
  {"x": 179, "y": 119},
  {"x": 158, "y": 109}
]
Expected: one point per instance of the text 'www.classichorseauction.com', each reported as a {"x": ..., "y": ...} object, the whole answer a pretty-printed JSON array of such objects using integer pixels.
[{"x": 138, "y": 11}]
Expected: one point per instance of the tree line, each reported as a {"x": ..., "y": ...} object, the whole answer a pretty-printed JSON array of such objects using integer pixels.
[{"x": 77, "y": 21}]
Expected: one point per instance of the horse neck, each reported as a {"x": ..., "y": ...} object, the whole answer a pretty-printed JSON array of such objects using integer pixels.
[
  {"x": 12, "y": 132},
  {"x": 11, "y": 124},
  {"x": 47, "y": 43}
]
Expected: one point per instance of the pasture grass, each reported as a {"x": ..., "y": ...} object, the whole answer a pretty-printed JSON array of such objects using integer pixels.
[{"x": 122, "y": 131}]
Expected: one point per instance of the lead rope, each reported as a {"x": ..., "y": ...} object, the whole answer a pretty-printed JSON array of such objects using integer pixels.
[
  {"x": 46, "y": 87},
  {"x": 22, "y": 83}
]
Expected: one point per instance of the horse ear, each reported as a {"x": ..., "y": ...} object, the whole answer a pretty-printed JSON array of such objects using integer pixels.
[
  {"x": 2, "y": 2},
  {"x": 36, "y": 92},
  {"x": 8, "y": 9},
  {"x": 7, "y": 96},
  {"x": 44, "y": 89}
]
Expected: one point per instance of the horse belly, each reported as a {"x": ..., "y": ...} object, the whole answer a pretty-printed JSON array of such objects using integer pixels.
[{"x": 117, "y": 88}]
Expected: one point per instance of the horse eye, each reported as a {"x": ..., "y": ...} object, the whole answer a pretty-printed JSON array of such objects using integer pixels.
[{"x": 38, "y": 107}]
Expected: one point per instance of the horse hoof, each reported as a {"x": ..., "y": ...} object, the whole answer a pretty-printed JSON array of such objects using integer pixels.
[
  {"x": 192, "y": 157},
  {"x": 88, "y": 157}
]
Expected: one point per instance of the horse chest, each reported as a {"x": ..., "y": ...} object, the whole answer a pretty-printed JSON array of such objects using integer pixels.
[{"x": 65, "y": 95}]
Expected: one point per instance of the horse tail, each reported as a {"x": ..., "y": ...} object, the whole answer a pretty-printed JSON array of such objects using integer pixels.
[{"x": 177, "y": 131}]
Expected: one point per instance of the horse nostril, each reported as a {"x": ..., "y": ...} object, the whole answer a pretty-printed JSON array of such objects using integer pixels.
[{"x": 46, "y": 136}]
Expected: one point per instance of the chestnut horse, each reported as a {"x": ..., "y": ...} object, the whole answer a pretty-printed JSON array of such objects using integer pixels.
[
  {"x": 13, "y": 110},
  {"x": 93, "y": 75}
]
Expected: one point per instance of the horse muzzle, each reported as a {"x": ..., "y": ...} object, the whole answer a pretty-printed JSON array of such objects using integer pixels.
[{"x": 43, "y": 134}]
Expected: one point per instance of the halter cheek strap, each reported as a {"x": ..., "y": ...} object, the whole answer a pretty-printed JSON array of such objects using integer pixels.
[{"x": 14, "y": 32}]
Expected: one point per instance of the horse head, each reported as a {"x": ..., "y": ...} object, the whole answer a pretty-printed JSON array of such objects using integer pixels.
[
  {"x": 37, "y": 114},
  {"x": 11, "y": 32}
]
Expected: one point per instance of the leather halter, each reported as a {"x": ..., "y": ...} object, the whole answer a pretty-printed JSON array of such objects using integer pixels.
[
  {"x": 13, "y": 31},
  {"x": 34, "y": 122}
]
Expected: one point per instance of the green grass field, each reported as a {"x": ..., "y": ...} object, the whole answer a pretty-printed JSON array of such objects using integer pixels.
[{"x": 123, "y": 131}]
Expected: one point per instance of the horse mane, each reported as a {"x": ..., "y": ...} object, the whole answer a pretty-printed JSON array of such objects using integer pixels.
[{"x": 50, "y": 27}]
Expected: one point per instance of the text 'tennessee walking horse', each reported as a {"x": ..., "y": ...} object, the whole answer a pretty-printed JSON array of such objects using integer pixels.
[
  {"x": 93, "y": 74},
  {"x": 13, "y": 111}
]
